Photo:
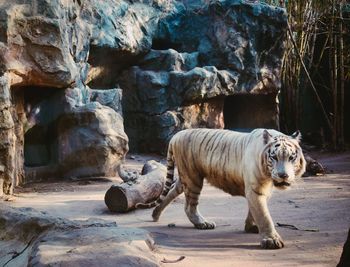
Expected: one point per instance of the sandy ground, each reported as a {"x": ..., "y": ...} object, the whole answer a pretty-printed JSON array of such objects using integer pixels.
[{"x": 319, "y": 207}]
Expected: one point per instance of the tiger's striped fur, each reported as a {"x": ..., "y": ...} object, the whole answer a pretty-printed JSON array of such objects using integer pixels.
[{"x": 244, "y": 164}]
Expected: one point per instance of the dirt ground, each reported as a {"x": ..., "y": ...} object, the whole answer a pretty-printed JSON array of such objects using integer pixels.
[{"x": 319, "y": 207}]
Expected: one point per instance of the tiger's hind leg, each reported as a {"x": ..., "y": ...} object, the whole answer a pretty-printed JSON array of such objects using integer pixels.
[
  {"x": 250, "y": 225},
  {"x": 173, "y": 193},
  {"x": 192, "y": 192}
]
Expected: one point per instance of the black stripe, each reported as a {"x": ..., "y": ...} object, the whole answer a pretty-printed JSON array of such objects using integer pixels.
[
  {"x": 165, "y": 192},
  {"x": 216, "y": 135},
  {"x": 212, "y": 154},
  {"x": 200, "y": 145},
  {"x": 222, "y": 151},
  {"x": 207, "y": 144}
]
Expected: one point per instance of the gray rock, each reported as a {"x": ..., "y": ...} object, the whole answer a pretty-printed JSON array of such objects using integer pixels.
[
  {"x": 69, "y": 138},
  {"x": 48, "y": 43},
  {"x": 233, "y": 34},
  {"x": 37, "y": 47},
  {"x": 122, "y": 27},
  {"x": 91, "y": 141},
  {"x": 29, "y": 238},
  {"x": 201, "y": 54},
  {"x": 168, "y": 60},
  {"x": 111, "y": 98},
  {"x": 203, "y": 83}
]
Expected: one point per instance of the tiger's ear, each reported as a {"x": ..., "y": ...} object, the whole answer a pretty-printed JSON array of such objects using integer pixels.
[
  {"x": 296, "y": 136},
  {"x": 266, "y": 136}
]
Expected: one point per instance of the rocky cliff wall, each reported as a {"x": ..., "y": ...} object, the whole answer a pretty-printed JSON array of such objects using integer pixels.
[
  {"x": 74, "y": 73},
  {"x": 200, "y": 55}
]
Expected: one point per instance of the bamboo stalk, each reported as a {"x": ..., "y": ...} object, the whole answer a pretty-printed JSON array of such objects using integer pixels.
[
  {"x": 342, "y": 76},
  {"x": 322, "y": 52},
  {"x": 332, "y": 66},
  {"x": 335, "y": 92},
  {"x": 329, "y": 124},
  {"x": 313, "y": 22},
  {"x": 313, "y": 44}
]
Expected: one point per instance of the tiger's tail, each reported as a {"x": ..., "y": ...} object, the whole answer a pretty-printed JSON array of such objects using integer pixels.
[{"x": 168, "y": 182}]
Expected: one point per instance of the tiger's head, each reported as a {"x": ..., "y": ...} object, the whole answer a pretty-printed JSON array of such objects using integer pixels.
[{"x": 283, "y": 158}]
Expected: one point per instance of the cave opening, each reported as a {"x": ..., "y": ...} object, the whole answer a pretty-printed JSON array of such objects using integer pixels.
[
  {"x": 245, "y": 112},
  {"x": 37, "y": 112},
  {"x": 105, "y": 64},
  {"x": 164, "y": 44}
]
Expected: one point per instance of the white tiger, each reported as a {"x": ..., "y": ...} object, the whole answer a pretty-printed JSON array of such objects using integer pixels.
[{"x": 243, "y": 164}]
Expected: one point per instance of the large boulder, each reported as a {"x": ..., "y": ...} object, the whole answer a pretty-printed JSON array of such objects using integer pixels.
[
  {"x": 72, "y": 139},
  {"x": 50, "y": 43},
  {"x": 109, "y": 97},
  {"x": 32, "y": 238},
  {"x": 91, "y": 141},
  {"x": 34, "y": 43}
]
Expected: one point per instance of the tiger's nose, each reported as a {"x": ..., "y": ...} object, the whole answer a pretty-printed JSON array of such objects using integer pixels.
[{"x": 283, "y": 175}]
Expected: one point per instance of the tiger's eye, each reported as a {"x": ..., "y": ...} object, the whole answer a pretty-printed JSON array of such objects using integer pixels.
[
  {"x": 291, "y": 158},
  {"x": 274, "y": 157}
]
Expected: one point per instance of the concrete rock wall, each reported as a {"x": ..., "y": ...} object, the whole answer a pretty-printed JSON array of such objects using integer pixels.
[
  {"x": 202, "y": 53},
  {"x": 74, "y": 73}
]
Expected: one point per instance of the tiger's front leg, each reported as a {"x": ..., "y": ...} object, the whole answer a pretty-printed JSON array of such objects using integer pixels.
[
  {"x": 270, "y": 239},
  {"x": 192, "y": 191}
]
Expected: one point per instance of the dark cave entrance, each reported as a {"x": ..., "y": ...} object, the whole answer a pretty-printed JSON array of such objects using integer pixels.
[
  {"x": 244, "y": 112},
  {"x": 37, "y": 112},
  {"x": 164, "y": 44}
]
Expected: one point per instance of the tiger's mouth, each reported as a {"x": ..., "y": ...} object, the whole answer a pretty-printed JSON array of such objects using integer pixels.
[{"x": 281, "y": 184}]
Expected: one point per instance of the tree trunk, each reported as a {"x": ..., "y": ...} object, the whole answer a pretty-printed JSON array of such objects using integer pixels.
[{"x": 145, "y": 188}]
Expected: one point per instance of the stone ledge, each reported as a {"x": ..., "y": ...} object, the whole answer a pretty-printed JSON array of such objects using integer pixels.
[{"x": 29, "y": 237}]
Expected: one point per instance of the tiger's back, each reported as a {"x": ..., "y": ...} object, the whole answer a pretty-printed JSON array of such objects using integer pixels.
[{"x": 212, "y": 154}]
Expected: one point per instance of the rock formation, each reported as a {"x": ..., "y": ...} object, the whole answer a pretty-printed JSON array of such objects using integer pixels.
[
  {"x": 51, "y": 121},
  {"x": 32, "y": 238},
  {"x": 74, "y": 73},
  {"x": 200, "y": 55}
]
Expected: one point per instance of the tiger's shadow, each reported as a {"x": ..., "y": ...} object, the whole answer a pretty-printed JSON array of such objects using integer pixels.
[{"x": 188, "y": 237}]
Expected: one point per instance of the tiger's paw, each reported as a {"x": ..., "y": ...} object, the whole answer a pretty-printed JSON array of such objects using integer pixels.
[
  {"x": 205, "y": 225},
  {"x": 275, "y": 242},
  {"x": 252, "y": 228}
]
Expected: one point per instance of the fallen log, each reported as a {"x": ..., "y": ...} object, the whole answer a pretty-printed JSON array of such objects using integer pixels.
[{"x": 142, "y": 188}]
